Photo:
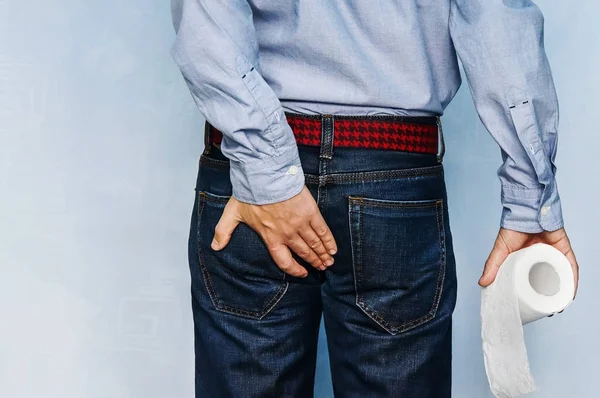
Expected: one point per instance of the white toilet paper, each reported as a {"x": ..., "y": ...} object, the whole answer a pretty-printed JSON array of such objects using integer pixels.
[{"x": 531, "y": 284}]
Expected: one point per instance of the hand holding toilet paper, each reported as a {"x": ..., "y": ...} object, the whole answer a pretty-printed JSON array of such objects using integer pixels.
[{"x": 531, "y": 284}]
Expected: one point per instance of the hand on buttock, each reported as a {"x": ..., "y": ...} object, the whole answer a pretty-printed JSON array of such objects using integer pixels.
[{"x": 295, "y": 225}]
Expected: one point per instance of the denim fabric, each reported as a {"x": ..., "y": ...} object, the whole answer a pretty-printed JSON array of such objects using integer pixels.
[
  {"x": 247, "y": 61},
  {"x": 387, "y": 301}
]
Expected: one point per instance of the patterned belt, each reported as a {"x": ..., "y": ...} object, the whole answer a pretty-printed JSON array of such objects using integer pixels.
[{"x": 400, "y": 133}]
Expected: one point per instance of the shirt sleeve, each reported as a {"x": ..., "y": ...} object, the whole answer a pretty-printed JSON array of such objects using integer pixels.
[
  {"x": 500, "y": 44},
  {"x": 217, "y": 51}
]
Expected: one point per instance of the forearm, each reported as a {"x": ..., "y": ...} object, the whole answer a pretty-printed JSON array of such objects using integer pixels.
[
  {"x": 217, "y": 52},
  {"x": 501, "y": 48}
]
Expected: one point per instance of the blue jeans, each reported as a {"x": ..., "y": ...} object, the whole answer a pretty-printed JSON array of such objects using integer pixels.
[{"x": 387, "y": 301}]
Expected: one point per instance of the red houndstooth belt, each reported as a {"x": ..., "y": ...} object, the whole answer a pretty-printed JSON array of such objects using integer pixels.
[{"x": 399, "y": 133}]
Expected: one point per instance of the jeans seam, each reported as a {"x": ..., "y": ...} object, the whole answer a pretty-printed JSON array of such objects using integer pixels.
[
  {"x": 214, "y": 198},
  {"x": 368, "y": 176},
  {"x": 395, "y": 204},
  {"x": 214, "y": 163},
  {"x": 442, "y": 271},
  {"x": 354, "y": 252}
]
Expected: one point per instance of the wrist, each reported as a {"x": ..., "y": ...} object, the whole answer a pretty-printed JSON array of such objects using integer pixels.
[
  {"x": 531, "y": 210},
  {"x": 271, "y": 180}
]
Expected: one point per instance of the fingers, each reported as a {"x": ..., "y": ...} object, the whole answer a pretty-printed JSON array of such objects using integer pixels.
[
  {"x": 509, "y": 241},
  {"x": 227, "y": 223},
  {"x": 283, "y": 258},
  {"x": 561, "y": 241},
  {"x": 493, "y": 263},
  {"x": 324, "y": 233},
  {"x": 294, "y": 224},
  {"x": 316, "y": 245},
  {"x": 302, "y": 249},
  {"x": 571, "y": 257}
]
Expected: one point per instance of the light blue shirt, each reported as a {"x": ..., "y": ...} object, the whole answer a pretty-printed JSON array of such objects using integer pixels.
[{"x": 248, "y": 61}]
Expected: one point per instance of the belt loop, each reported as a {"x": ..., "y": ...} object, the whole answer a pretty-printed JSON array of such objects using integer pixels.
[
  {"x": 442, "y": 147},
  {"x": 327, "y": 128},
  {"x": 206, "y": 138}
]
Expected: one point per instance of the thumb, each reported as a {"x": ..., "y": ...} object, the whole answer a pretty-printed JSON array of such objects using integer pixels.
[
  {"x": 492, "y": 265},
  {"x": 227, "y": 223}
]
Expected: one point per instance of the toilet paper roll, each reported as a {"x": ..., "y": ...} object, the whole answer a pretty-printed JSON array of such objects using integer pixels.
[{"x": 531, "y": 284}]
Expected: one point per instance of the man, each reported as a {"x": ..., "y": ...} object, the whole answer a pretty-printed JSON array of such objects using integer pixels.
[{"x": 321, "y": 188}]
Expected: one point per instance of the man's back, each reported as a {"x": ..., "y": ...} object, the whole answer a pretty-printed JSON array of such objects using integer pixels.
[{"x": 352, "y": 57}]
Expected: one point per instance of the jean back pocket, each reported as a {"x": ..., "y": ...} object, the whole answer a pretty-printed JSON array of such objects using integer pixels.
[
  {"x": 398, "y": 250},
  {"x": 241, "y": 279}
]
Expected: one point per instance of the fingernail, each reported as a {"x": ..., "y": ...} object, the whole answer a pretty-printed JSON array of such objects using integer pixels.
[
  {"x": 329, "y": 262},
  {"x": 332, "y": 252},
  {"x": 214, "y": 244}
]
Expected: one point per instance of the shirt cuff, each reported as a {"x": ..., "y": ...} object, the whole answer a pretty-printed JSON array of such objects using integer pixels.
[
  {"x": 531, "y": 210},
  {"x": 269, "y": 180}
]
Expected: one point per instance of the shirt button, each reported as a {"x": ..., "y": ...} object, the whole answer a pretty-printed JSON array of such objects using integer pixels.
[
  {"x": 545, "y": 211},
  {"x": 293, "y": 170}
]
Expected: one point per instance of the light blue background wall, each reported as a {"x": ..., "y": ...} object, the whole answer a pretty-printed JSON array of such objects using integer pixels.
[{"x": 99, "y": 142}]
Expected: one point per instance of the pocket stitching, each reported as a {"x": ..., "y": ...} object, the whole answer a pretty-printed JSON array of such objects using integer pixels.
[
  {"x": 396, "y": 204},
  {"x": 208, "y": 283},
  {"x": 214, "y": 163},
  {"x": 357, "y": 266},
  {"x": 378, "y": 175}
]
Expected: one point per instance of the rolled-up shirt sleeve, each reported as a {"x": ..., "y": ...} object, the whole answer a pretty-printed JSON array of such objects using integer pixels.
[
  {"x": 501, "y": 46},
  {"x": 217, "y": 52}
]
